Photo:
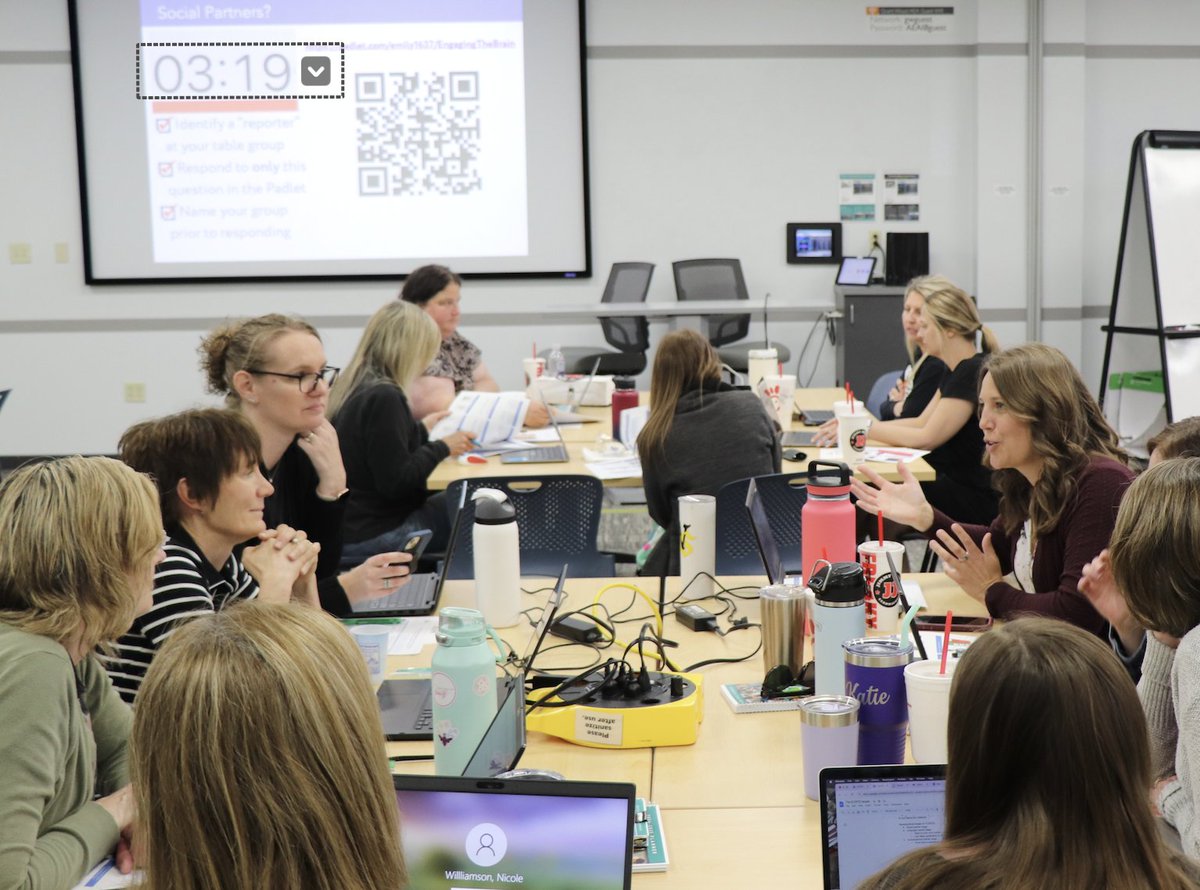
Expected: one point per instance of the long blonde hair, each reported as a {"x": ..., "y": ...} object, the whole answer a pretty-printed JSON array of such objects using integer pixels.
[
  {"x": 684, "y": 362},
  {"x": 258, "y": 758},
  {"x": 240, "y": 344},
  {"x": 398, "y": 343},
  {"x": 950, "y": 308},
  {"x": 78, "y": 537},
  {"x": 1049, "y": 766}
]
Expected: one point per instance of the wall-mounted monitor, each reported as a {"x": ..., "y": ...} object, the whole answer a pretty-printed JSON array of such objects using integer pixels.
[
  {"x": 361, "y": 138},
  {"x": 814, "y": 243}
]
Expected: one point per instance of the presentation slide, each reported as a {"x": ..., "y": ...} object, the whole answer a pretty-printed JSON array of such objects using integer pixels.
[{"x": 299, "y": 138}]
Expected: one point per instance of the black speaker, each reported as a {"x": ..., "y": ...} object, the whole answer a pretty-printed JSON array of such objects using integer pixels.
[{"x": 907, "y": 256}]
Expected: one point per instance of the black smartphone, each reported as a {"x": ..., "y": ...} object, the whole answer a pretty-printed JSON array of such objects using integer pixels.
[
  {"x": 416, "y": 544},
  {"x": 963, "y": 624}
]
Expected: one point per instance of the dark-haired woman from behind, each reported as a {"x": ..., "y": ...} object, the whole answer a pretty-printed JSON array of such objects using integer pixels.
[
  {"x": 701, "y": 434},
  {"x": 1049, "y": 763}
]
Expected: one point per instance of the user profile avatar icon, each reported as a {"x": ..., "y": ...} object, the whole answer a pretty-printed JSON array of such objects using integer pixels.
[{"x": 486, "y": 844}]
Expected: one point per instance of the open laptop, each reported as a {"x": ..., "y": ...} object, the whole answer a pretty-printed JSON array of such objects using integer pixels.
[
  {"x": 406, "y": 705},
  {"x": 541, "y": 454},
  {"x": 420, "y": 595},
  {"x": 570, "y": 414},
  {"x": 873, "y": 815},
  {"x": 4, "y": 395},
  {"x": 537, "y": 835},
  {"x": 768, "y": 547},
  {"x": 856, "y": 271}
]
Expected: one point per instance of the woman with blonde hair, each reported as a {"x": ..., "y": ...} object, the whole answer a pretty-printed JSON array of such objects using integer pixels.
[
  {"x": 387, "y": 452},
  {"x": 1047, "y": 773},
  {"x": 206, "y": 464},
  {"x": 1061, "y": 474},
  {"x": 946, "y": 428},
  {"x": 272, "y": 368},
  {"x": 701, "y": 434},
  {"x": 259, "y": 760},
  {"x": 1156, "y": 567},
  {"x": 919, "y": 383},
  {"x": 79, "y": 539}
]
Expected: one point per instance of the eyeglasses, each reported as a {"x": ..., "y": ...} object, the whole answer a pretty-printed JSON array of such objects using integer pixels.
[
  {"x": 780, "y": 682},
  {"x": 308, "y": 380}
]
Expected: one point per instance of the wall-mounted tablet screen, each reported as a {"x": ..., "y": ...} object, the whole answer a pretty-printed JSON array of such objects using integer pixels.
[{"x": 814, "y": 243}]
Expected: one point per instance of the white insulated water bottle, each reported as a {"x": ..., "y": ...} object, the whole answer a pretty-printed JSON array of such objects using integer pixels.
[
  {"x": 463, "y": 687},
  {"x": 497, "y": 548}
]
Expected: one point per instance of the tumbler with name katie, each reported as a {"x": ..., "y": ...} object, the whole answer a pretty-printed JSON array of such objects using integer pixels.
[
  {"x": 875, "y": 676},
  {"x": 828, "y": 736}
]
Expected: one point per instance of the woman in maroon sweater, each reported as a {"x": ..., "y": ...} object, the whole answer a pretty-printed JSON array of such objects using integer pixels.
[{"x": 1061, "y": 475}]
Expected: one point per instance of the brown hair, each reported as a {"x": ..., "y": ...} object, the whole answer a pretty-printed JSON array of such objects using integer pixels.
[
  {"x": 950, "y": 308},
  {"x": 398, "y": 343},
  {"x": 258, "y": 758},
  {"x": 1040, "y": 386},
  {"x": 1048, "y": 770},
  {"x": 1178, "y": 439},
  {"x": 684, "y": 362},
  {"x": 77, "y": 535},
  {"x": 423, "y": 284},
  {"x": 242, "y": 344},
  {"x": 204, "y": 446},
  {"x": 1155, "y": 560}
]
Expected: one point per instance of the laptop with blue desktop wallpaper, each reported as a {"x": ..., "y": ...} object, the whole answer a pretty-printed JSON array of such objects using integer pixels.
[{"x": 538, "y": 835}]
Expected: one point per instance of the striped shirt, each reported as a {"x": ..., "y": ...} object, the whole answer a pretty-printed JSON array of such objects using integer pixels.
[{"x": 186, "y": 586}]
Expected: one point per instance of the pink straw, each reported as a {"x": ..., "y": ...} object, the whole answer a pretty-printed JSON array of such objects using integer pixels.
[
  {"x": 535, "y": 348},
  {"x": 946, "y": 641},
  {"x": 880, "y": 530}
]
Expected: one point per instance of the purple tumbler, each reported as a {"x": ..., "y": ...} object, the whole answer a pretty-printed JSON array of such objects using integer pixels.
[{"x": 875, "y": 676}]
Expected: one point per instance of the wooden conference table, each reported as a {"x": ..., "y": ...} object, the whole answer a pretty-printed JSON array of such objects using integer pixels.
[
  {"x": 733, "y": 805},
  {"x": 587, "y": 435}
]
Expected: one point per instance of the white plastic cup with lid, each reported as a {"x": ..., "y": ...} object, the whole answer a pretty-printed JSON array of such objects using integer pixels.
[
  {"x": 372, "y": 642},
  {"x": 928, "y": 693},
  {"x": 828, "y": 737},
  {"x": 760, "y": 363},
  {"x": 852, "y": 430},
  {"x": 777, "y": 392},
  {"x": 534, "y": 368},
  {"x": 883, "y": 591}
]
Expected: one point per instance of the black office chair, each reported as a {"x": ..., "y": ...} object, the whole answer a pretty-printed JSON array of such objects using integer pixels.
[
  {"x": 558, "y": 518},
  {"x": 722, "y": 280},
  {"x": 627, "y": 283},
  {"x": 783, "y": 496}
]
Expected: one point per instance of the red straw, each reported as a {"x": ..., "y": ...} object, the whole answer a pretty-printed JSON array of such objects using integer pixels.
[
  {"x": 535, "y": 348},
  {"x": 946, "y": 641},
  {"x": 880, "y": 530},
  {"x": 781, "y": 369}
]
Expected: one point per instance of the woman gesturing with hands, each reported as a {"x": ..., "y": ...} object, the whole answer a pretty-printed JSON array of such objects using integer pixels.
[{"x": 1060, "y": 474}]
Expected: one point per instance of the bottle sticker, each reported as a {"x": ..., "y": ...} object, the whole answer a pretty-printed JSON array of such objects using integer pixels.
[
  {"x": 443, "y": 689},
  {"x": 445, "y": 732},
  {"x": 482, "y": 686},
  {"x": 597, "y": 728}
]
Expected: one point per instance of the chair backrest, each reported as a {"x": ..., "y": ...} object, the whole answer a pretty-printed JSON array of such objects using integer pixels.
[
  {"x": 627, "y": 283},
  {"x": 783, "y": 496},
  {"x": 558, "y": 518},
  {"x": 714, "y": 280}
]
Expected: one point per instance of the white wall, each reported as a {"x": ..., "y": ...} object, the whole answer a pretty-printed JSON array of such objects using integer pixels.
[{"x": 712, "y": 125}]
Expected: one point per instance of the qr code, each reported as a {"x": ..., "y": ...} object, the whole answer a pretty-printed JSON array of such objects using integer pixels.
[{"x": 418, "y": 134}]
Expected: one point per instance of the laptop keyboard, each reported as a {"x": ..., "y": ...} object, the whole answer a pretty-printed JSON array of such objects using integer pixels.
[
  {"x": 416, "y": 594},
  {"x": 536, "y": 455}
]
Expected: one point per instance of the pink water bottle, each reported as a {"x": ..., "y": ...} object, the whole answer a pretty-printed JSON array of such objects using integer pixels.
[
  {"x": 625, "y": 395},
  {"x": 827, "y": 518}
]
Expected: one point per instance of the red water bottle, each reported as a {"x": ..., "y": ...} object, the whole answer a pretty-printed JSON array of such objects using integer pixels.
[
  {"x": 827, "y": 518},
  {"x": 625, "y": 395}
]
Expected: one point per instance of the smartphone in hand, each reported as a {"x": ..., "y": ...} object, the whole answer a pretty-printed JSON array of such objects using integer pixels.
[
  {"x": 963, "y": 624},
  {"x": 415, "y": 545}
]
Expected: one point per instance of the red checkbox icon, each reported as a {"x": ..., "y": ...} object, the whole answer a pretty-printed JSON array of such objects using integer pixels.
[
  {"x": 168, "y": 212},
  {"x": 164, "y": 124},
  {"x": 166, "y": 169}
]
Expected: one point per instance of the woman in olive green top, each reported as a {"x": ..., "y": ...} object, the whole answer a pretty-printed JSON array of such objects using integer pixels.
[{"x": 79, "y": 539}]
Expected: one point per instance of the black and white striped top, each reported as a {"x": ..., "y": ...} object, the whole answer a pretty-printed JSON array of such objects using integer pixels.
[{"x": 185, "y": 587}]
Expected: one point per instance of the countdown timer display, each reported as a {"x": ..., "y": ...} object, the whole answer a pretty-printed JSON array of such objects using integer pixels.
[{"x": 245, "y": 70}]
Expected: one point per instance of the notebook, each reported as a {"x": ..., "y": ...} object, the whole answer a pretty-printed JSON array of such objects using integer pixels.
[
  {"x": 856, "y": 270},
  {"x": 421, "y": 594},
  {"x": 873, "y": 815},
  {"x": 406, "y": 706},
  {"x": 764, "y": 538},
  {"x": 537, "y": 835}
]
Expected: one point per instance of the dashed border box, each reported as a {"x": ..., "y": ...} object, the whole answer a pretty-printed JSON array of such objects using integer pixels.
[{"x": 311, "y": 44}]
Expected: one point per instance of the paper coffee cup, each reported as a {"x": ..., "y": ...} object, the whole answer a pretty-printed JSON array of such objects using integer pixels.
[
  {"x": 852, "y": 432},
  {"x": 883, "y": 591},
  {"x": 534, "y": 368},
  {"x": 778, "y": 391},
  {"x": 928, "y": 708},
  {"x": 372, "y": 642}
]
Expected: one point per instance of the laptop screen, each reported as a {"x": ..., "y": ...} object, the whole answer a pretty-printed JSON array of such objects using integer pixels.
[
  {"x": 503, "y": 743},
  {"x": 536, "y": 835},
  {"x": 768, "y": 549},
  {"x": 873, "y": 815}
]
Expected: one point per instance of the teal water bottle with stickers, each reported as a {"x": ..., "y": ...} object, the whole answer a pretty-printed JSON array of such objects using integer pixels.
[{"x": 463, "y": 681}]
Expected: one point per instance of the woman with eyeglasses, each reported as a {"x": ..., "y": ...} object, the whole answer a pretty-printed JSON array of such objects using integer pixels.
[{"x": 272, "y": 368}]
